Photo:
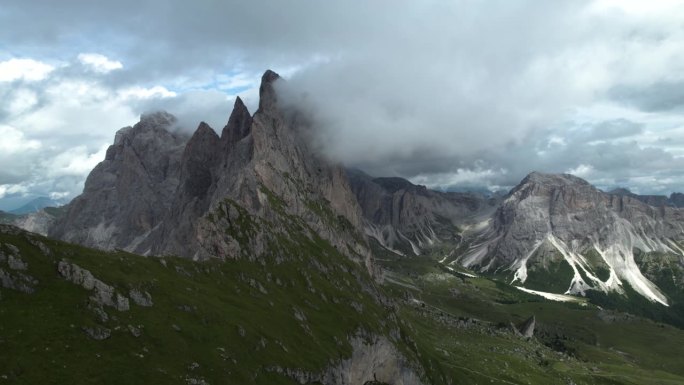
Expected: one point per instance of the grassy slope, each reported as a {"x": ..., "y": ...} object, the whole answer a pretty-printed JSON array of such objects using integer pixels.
[
  {"x": 572, "y": 343},
  {"x": 234, "y": 318}
]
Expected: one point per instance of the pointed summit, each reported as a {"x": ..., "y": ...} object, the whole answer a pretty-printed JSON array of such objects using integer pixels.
[
  {"x": 267, "y": 94},
  {"x": 204, "y": 129},
  {"x": 199, "y": 157},
  {"x": 239, "y": 124}
]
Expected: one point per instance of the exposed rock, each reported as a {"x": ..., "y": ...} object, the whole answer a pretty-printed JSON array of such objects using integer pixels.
[
  {"x": 373, "y": 359},
  {"x": 38, "y": 222},
  {"x": 13, "y": 249},
  {"x": 103, "y": 294},
  {"x": 41, "y": 246},
  {"x": 97, "y": 333},
  {"x": 16, "y": 263},
  {"x": 140, "y": 298},
  {"x": 407, "y": 218},
  {"x": 527, "y": 327},
  {"x": 238, "y": 126},
  {"x": 18, "y": 281},
  {"x": 100, "y": 313},
  {"x": 154, "y": 194},
  {"x": 135, "y": 331},
  {"x": 585, "y": 228},
  {"x": 674, "y": 200},
  {"x": 127, "y": 195}
]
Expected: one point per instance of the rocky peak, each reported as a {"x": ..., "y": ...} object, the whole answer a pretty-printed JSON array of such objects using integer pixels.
[
  {"x": 267, "y": 92},
  {"x": 153, "y": 129},
  {"x": 394, "y": 184},
  {"x": 553, "y": 180},
  {"x": 564, "y": 217},
  {"x": 127, "y": 194},
  {"x": 157, "y": 119},
  {"x": 200, "y": 156},
  {"x": 239, "y": 124},
  {"x": 677, "y": 199}
]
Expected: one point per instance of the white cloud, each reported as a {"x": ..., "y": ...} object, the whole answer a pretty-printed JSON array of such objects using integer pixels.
[
  {"x": 21, "y": 101},
  {"x": 582, "y": 171},
  {"x": 11, "y": 189},
  {"x": 146, "y": 93},
  {"x": 461, "y": 177},
  {"x": 75, "y": 161},
  {"x": 99, "y": 63},
  {"x": 14, "y": 141},
  {"x": 24, "y": 69}
]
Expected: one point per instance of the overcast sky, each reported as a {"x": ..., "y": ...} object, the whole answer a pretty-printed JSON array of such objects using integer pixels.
[{"x": 445, "y": 93}]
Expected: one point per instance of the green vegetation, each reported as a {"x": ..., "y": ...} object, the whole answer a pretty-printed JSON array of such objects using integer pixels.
[
  {"x": 551, "y": 273},
  {"x": 216, "y": 321},
  {"x": 574, "y": 343},
  {"x": 601, "y": 268},
  {"x": 296, "y": 304},
  {"x": 6, "y": 217}
]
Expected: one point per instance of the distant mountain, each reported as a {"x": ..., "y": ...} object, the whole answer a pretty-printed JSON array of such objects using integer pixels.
[
  {"x": 674, "y": 200},
  {"x": 36, "y": 205},
  {"x": 409, "y": 219},
  {"x": 559, "y": 233}
]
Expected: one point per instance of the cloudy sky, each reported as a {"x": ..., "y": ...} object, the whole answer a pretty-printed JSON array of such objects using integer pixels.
[{"x": 446, "y": 93}]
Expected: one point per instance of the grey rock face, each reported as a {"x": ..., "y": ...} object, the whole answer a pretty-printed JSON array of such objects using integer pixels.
[
  {"x": 98, "y": 333},
  {"x": 141, "y": 298},
  {"x": 238, "y": 126},
  {"x": 38, "y": 222},
  {"x": 18, "y": 281},
  {"x": 103, "y": 294},
  {"x": 567, "y": 215},
  {"x": 127, "y": 195},
  {"x": 15, "y": 278},
  {"x": 407, "y": 218},
  {"x": 153, "y": 194},
  {"x": 674, "y": 200},
  {"x": 677, "y": 199},
  {"x": 527, "y": 327},
  {"x": 16, "y": 263}
]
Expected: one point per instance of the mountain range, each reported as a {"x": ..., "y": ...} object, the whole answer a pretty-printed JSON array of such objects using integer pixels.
[{"x": 274, "y": 257}]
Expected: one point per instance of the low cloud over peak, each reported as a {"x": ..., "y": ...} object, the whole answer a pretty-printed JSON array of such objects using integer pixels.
[{"x": 448, "y": 94}]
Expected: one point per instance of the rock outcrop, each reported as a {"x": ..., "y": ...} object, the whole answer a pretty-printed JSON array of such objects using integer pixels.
[
  {"x": 16, "y": 277},
  {"x": 103, "y": 294}
]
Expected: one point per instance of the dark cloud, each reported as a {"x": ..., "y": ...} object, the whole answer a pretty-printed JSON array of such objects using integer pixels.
[{"x": 657, "y": 97}]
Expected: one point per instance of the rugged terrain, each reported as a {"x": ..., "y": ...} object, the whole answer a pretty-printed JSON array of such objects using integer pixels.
[
  {"x": 248, "y": 258},
  {"x": 409, "y": 219}
]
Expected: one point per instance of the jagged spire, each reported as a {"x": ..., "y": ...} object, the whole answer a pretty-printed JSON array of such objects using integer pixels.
[
  {"x": 199, "y": 157},
  {"x": 267, "y": 94},
  {"x": 239, "y": 123}
]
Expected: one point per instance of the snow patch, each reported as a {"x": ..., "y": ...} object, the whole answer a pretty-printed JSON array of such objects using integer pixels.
[{"x": 551, "y": 296}]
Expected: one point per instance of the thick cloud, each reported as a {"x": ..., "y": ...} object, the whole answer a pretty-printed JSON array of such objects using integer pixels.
[{"x": 465, "y": 93}]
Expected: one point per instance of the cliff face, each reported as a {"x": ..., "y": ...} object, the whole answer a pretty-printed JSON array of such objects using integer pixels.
[
  {"x": 127, "y": 195},
  {"x": 409, "y": 219},
  {"x": 549, "y": 220},
  {"x": 155, "y": 191}
]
